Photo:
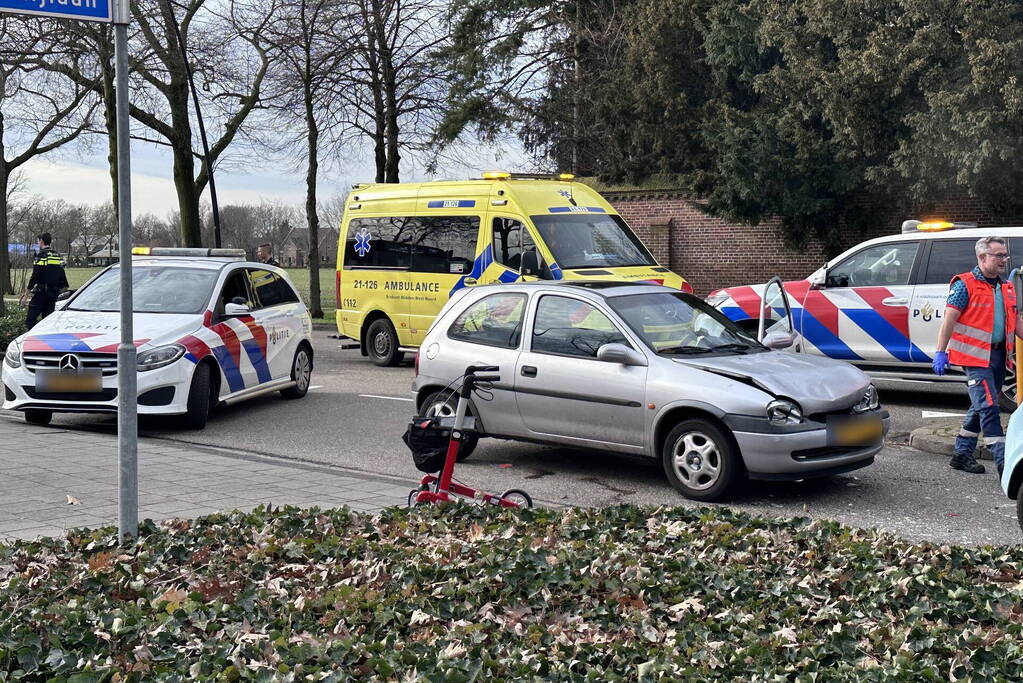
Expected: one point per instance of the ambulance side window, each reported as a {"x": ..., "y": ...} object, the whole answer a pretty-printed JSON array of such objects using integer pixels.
[
  {"x": 379, "y": 242},
  {"x": 510, "y": 239},
  {"x": 948, "y": 259},
  {"x": 444, "y": 244}
]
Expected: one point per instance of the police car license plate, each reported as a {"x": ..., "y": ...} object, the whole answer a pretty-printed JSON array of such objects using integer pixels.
[
  {"x": 854, "y": 431},
  {"x": 57, "y": 382}
]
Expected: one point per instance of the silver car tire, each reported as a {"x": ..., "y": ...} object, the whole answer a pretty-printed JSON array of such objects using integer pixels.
[
  {"x": 700, "y": 460},
  {"x": 443, "y": 404}
]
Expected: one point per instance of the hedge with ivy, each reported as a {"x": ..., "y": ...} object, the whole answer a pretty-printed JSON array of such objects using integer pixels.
[{"x": 464, "y": 593}]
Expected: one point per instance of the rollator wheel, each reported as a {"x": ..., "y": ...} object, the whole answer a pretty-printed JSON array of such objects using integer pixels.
[
  {"x": 414, "y": 493},
  {"x": 519, "y": 497}
]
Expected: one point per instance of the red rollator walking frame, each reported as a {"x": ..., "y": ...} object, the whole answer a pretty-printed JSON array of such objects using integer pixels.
[{"x": 423, "y": 439}]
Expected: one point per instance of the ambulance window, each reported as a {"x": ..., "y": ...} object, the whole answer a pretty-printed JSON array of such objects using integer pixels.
[
  {"x": 883, "y": 265},
  {"x": 379, "y": 242},
  {"x": 271, "y": 289},
  {"x": 948, "y": 259},
  {"x": 495, "y": 320},
  {"x": 509, "y": 238},
  {"x": 444, "y": 244}
]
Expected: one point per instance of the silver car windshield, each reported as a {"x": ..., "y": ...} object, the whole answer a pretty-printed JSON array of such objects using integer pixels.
[
  {"x": 155, "y": 289},
  {"x": 677, "y": 323},
  {"x": 592, "y": 240}
]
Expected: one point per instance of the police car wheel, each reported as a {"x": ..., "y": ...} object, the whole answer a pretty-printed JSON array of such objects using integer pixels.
[
  {"x": 382, "y": 343},
  {"x": 301, "y": 372},
  {"x": 700, "y": 460},
  {"x": 38, "y": 417},
  {"x": 199, "y": 398},
  {"x": 443, "y": 404}
]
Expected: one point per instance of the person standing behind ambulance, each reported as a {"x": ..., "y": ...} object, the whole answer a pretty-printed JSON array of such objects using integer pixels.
[
  {"x": 47, "y": 281},
  {"x": 978, "y": 334}
]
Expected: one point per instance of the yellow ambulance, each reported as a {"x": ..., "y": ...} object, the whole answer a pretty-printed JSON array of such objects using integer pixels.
[{"x": 407, "y": 247}]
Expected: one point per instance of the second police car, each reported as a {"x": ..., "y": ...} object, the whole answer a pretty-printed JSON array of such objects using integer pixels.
[
  {"x": 209, "y": 329},
  {"x": 880, "y": 304}
]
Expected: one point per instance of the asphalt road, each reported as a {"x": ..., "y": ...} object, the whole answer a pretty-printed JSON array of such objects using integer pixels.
[{"x": 356, "y": 412}]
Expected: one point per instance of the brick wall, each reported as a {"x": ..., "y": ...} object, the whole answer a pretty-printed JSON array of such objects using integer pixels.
[{"x": 711, "y": 253}]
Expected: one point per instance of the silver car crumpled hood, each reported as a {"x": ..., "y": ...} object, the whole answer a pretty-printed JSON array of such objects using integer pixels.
[{"x": 818, "y": 384}]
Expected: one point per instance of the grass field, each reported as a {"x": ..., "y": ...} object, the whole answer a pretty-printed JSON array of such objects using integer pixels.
[{"x": 76, "y": 277}]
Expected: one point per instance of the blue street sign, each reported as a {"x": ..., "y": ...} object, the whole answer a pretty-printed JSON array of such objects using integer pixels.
[{"x": 89, "y": 10}]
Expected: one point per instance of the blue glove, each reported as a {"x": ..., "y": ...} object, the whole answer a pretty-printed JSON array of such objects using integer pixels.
[{"x": 940, "y": 363}]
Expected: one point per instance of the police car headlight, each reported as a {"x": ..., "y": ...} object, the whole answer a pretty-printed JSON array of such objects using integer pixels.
[
  {"x": 13, "y": 356},
  {"x": 160, "y": 357},
  {"x": 783, "y": 412},
  {"x": 870, "y": 401}
]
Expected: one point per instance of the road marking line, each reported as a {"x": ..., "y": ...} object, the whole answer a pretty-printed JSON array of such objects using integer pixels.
[
  {"x": 930, "y": 413},
  {"x": 316, "y": 386},
  {"x": 389, "y": 398}
]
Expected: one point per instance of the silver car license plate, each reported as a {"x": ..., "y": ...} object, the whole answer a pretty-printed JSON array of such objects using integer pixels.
[{"x": 59, "y": 382}]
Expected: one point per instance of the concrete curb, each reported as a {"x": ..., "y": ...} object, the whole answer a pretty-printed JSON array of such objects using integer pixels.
[{"x": 940, "y": 440}]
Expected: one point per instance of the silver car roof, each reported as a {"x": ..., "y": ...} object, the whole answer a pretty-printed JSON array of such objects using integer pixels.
[{"x": 591, "y": 289}]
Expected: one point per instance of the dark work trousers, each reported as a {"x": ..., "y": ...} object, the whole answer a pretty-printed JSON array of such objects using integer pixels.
[
  {"x": 40, "y": 306},
  {"x": 983, "y": 385}
]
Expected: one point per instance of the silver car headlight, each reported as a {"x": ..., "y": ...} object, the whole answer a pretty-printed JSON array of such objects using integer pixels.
[
  {"x": 13, "y": 356},
  {"x": 784, "y": 412},
  {"x": 159, "y": 357},
  {"x": 870, "y": 401}
]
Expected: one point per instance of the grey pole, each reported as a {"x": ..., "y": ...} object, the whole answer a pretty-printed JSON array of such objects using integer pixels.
[{"x": 127, "y": 380}]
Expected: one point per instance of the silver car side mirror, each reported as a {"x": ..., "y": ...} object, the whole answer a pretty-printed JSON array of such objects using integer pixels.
[
  {"x": 778, "y": 340},
  {"x": 620, "y": 353}
]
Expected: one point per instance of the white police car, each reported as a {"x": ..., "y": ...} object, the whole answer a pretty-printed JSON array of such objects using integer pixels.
[{"x": 209, "y": 329}]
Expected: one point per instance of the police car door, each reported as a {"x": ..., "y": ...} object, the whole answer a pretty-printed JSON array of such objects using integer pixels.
[
  {"x": 775, "y": 314},
  {"x": 276, "y": 326},
  {"x": 945, "y": 258},
  {"x": 865, "y": 312}
]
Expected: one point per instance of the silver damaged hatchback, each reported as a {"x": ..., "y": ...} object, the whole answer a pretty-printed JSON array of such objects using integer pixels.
[{"x": 644, "y": 369}]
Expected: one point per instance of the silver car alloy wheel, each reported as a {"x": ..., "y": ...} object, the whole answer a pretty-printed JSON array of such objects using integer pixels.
[
  {"x": 441, "y": 409},
  {"x": 696, "y": 461},
  {"x": 302, "y": 370}
]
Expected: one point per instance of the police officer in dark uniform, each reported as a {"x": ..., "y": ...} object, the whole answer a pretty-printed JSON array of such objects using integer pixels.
[
  {"x": 47, "y": 281},
  {"x": 265, "y": 254}
]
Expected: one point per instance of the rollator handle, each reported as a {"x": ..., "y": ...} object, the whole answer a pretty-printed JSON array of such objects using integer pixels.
[{"x": 472, "y": 369}]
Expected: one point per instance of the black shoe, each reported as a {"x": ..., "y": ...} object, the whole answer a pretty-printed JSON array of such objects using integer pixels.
[{"x": 966, "y": 465}]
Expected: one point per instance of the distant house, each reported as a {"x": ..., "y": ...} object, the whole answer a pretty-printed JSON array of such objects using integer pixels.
[
  {"x": 104, "y": 257},
  {"x": 294, "y": 253}
]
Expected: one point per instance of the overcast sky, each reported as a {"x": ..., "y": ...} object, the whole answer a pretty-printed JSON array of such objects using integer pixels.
[{"x": 81, "y": 176}]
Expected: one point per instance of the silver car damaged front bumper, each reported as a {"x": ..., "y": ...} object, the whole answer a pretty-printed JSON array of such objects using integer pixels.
[{"x": 802, "y": 454}]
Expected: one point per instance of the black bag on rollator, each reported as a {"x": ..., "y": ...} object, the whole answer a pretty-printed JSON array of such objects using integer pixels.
[{"x": 428, "y": 441}]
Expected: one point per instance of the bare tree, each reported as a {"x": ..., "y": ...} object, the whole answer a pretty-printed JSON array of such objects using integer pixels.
[
  {"x": 395, "y": 89},
  {"x": 227, "y": 51},
  {"x": 310, "y": 40},
  {"x": 39, "y": 111}
]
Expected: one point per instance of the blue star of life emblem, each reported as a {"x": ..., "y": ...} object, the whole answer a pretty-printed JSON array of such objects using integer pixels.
[
  {"x": 362, "y": 239},
  {"x": 565, "y": 193}
]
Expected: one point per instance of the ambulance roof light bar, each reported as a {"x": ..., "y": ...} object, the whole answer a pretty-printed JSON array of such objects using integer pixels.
[
  {"x": 238, "y": 254},
  {"x": 504, "y": 175},
  {"x": 934, "y": 226}
]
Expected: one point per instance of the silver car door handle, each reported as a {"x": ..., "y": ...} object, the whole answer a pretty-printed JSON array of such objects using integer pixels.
[{"x": 895, "y": 301}]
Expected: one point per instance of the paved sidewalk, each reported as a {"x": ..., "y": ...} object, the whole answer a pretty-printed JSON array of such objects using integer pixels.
[{"x": 40, "y": 467}]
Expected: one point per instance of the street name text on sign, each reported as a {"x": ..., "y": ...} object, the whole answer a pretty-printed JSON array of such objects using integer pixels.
[{"x": 88, "y": 10}]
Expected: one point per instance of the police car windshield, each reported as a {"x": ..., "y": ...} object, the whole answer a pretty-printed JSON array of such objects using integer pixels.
[
  {"x": 155, "y": 289},
  {"x": 591, "y": 240},
  {"x": 680, "y": 323}
]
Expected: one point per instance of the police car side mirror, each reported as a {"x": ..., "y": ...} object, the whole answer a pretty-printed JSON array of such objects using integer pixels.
[
  {"x": 819, "y": 281},
  {"x": 232, "y": 309},
  {"x": 530, "y": 263}
]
